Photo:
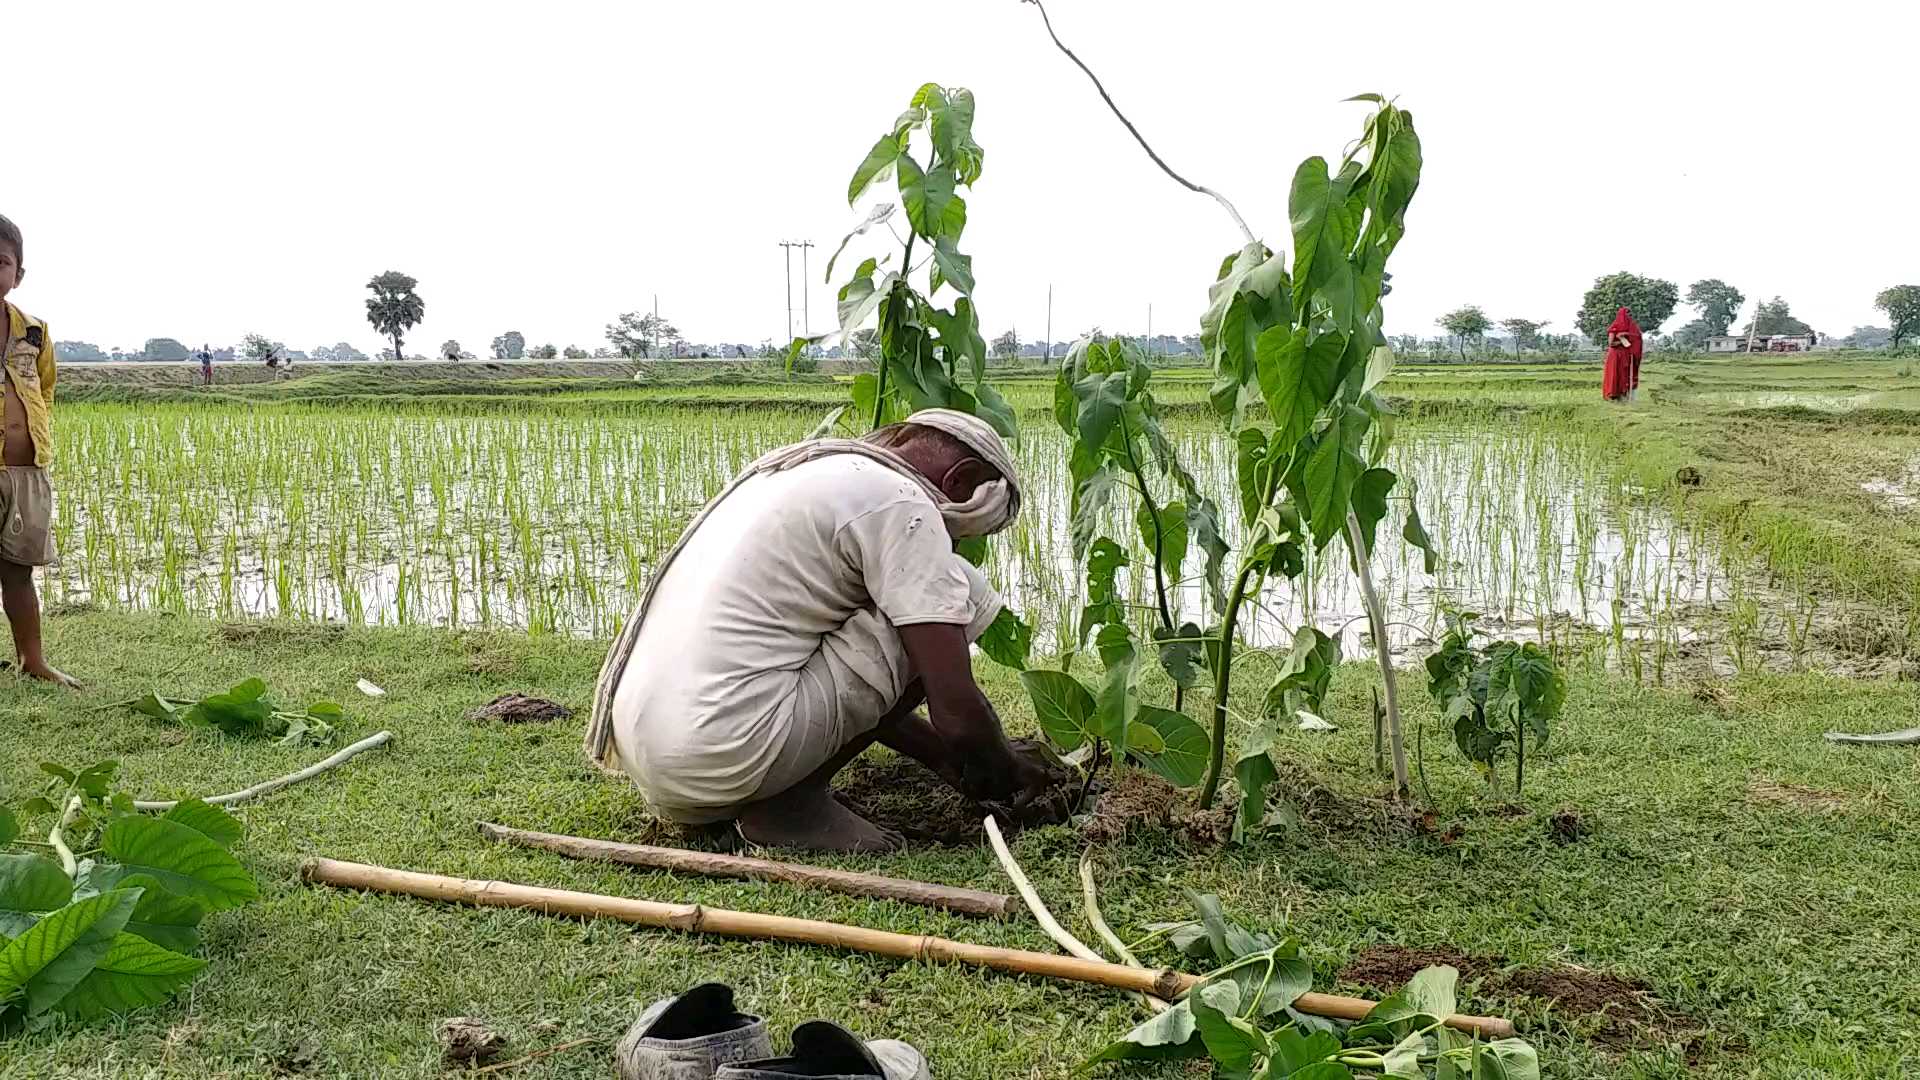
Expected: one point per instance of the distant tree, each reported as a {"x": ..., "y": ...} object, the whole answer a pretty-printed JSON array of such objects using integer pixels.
[
  {"x": 543, "y": 352},
  {"x": 1466, "y": 324},
  {"x": 1717, "y": 302},
  {"x": 1869, "y": 337},
  {"x": 394, "y": 308},
  {"x": 342, "y": 352},
  {"x": 866, "y": 343},
  {"x": 164, "y": 348},
  {"x": 1694, "y": 335},
  {"x": 450, "y": 350},
  {"x": 259, "y": 348},
  {"x": 1651, "y": 301},
  {"x": 635, "y": 334},
  {"x": 509, "y": 346},
  {"x": 1902, "y": 305},
  {"x": 1775, "y": 317},
  {"x": 1006, "y": 345},
  {"x": 575, "y": 352},
  {"x": 78, "y": 350},
  {"x": 1526, "y": 333}
]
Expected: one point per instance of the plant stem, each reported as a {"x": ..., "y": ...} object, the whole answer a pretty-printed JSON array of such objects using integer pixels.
[
  {"x": 1377, "y": 620},
  {"x": 1159, "y": 545},
  {"x": 1223, "y": 677},
  {"x": 1519, "y": 754},
  {"x": 1135, "y": 132},
  {"x": 880, "y": 386},
  {"x": 57, "y": 839}
]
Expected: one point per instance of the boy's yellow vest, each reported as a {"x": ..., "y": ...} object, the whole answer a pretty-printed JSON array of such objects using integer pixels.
[{"x": 29, "y": 366}]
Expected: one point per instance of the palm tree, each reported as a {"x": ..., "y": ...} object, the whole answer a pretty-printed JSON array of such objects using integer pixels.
[{"x": 394, "y": 307}]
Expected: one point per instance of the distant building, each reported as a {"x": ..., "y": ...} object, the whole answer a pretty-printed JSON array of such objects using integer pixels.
[{"x": 1780, "y": 343}]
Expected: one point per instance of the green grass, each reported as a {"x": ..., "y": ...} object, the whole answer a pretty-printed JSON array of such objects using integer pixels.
[{"x": 1785, "y": 931}]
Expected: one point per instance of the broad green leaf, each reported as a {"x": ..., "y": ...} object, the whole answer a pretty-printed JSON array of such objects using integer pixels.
[
  {"x": 1253, "y": 771},
  {"x": 59, "y": 771},
  {"x": 1090, "y": 499},
  {"x": 1379, "y": 366},
  {"x": 1170, "y": 539},
  {"x": 1061, "y": 705},
  {"x": 860, "y": 296},
  {"x": 1221, "y": 294},
  {"x": 955, "y": 269},
  {"x": 29, "y": 886},
  {"x": 51, "y": 958},
  {"x": 1323, "y": 235},
  {"x": 1179, "y": 652},
  {"x": 1230, "y": 940},
  {"x": 159, "y": 708},
  {"x": 1114, "y": 642},
  {"x": 1396, "y": 171},
  {"x": 1319, "y": 1070},
  {"x": 1331, "y": 471},
  {"x": 880, "y": 213},
  {"x": 134, "y": 972},
  {"x": 1507, "y": 1059},
  {"x": 1432, "y": 990},
  {"x": 1294, "y": 1050},
  {"x": 1182, "y": 761},
  {"x": 1103, "y": 397},
  {"x": 36, "y": 806},
  {"x": 1297, "y": 379},
  {"x": 995, "y": 410},
  {"x": 169, "y": 921},
  {"x": 9, "y": 826},
  {"x": 878, "y": 160},
  {"x": 1231, "y": 1042},
  {"x": 96, "y": 780},
  {"x": 1252, "y": 459},
  {"x": 1008, "y": 640},
  {"x": 1370, "y": 504},
  {"x": 1169, "y": 1036},
  {"x": 1117, "y": 703},
  {"x": 184, "y": 861},
  {"x": 924, "y": 195},
  {"x": 243, "y": 710},
  {"x": 1203, "y": 524},
  {"x": 1104, "y": 560},
  {"x": 1415, "y": 533},
  {"x": 1144, "y": 740},
  {"x": 1404, "y": 1059},
  {"x": 203, "y": 817},
  {"x": 953, "y": 220}
]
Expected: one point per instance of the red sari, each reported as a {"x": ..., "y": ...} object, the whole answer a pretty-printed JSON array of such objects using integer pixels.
[{"x": 1622, "y": 374}]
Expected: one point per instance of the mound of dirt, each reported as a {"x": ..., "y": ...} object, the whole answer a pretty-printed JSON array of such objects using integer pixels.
[
  {"x": 896, "y": 792},
  {"x": 1628, "y": 1013},
  {"x": 1566, "y": 827},
  {"x": 1387, "y": 968},
  {"x": 1138, "y": 800},
  {"x": 518, "y": 708}
]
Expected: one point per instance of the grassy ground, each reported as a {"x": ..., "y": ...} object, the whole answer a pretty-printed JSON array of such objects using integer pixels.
[{"x": 1776, "y": 918}]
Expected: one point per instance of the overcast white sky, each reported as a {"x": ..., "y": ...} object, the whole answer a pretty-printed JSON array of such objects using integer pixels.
[{"x": 206, "y": 170}]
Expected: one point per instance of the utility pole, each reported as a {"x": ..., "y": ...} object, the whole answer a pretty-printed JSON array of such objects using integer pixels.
[
  {"x": 786, "y": 247},
  {"x": 656, "y": 324},
  {"x": 1049, "y": 320},
  {"x": 806, "y": 283},
  {"x": 1149, "y": 330}
]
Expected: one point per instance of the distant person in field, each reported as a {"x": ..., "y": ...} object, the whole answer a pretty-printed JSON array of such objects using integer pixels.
[
  {"x": 206, "y": 365},
  {"x": 1620, "y": 381},
  {"x": 805, "y": 614},
  {"x": 26, "y": 498}
]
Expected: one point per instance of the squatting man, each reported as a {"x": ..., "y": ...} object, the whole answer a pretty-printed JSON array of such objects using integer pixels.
[{"x": 805, "y": 614}]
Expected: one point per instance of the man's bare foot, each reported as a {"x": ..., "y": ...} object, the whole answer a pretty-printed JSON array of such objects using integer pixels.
[
  {"x": 810, "y": 818},
  {"x": 46, "y": 672}
]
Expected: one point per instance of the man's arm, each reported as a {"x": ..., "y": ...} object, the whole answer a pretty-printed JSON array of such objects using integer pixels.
[{"x": 964, "y": 719}]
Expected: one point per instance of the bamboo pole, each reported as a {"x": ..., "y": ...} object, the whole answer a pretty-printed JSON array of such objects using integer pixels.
[
  {"x": 711, "y": 864},
  {"x": 693, "y": 918},
  {"x": 338, "y": 757}
]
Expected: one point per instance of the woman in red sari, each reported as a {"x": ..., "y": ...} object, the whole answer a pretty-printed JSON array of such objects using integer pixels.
[{"x": 1622, "y": 375}]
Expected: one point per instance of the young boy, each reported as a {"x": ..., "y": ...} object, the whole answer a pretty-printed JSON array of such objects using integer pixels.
[{"x": 26, "y": 499}]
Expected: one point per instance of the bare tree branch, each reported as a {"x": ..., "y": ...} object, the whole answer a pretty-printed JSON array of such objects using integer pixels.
[{"x": 1108, "y": 98}]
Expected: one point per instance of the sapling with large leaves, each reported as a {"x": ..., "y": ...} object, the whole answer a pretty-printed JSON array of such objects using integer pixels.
[
  {"x": 1495, "y": 695},
  {"x": 103, "y": 914},
  {"x": 1306, "y": 344}
]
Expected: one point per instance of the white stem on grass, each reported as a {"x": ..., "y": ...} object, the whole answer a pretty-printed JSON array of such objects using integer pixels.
[
  {"x": 57, "y": 838},
  {"x": 339, "y": 757},
  {"x": 1099, "y": 923}
]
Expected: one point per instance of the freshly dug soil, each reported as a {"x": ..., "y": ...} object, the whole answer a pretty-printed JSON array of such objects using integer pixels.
[
  {"x": 896, "y": 792},
  {"x": 1627, "y": 1011},
  {"x": 1138, "y": 801},
  {"x": 517, "y": 708},
  {"x": 467, "y": 1040},
  {"x": 1387, "y": 968},
  {"x": 1566, "y": 827}
]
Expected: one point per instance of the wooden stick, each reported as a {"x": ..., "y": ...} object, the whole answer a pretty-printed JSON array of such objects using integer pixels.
[
  {"x": 535, "y": 1056},
  {"x": 339, "y": 757},
  {"x": 693, "y": 918},
  {"x": 1034, "y": 904},
  {"x": 926, "y": 894}
]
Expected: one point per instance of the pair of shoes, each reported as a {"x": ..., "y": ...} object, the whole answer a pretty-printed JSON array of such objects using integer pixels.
[{"x": 700, "y": 1035}]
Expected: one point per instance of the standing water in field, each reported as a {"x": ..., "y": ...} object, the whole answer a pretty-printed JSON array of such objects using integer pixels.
[{"x": 553, "y": 524}]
